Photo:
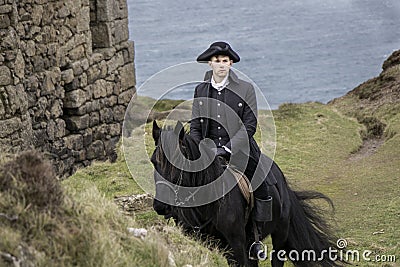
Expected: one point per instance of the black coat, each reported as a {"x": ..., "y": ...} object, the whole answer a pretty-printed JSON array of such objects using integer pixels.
[{"x": 240, "y": 96}]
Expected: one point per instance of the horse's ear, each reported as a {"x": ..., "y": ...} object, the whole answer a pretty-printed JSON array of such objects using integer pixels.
[
  {"x": 179, "y": 130},
  {"x": 156, "y": 132}
]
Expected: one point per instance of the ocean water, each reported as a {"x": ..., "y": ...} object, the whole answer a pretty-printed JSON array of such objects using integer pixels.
[{"x": 293, "y": 50}]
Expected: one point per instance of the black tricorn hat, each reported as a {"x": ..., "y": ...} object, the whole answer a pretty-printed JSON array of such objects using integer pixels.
[{"x": 218, "y": 48}]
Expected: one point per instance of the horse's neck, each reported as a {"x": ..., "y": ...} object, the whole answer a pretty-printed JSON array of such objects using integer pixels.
[{"x": 207, "y": 175}]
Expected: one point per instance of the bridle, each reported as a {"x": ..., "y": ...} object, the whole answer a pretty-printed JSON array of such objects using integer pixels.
[{"x": 179, "y": 203}]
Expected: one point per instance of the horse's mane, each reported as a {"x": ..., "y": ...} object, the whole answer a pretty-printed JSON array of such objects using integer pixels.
[{"x": 189, "y": 147}]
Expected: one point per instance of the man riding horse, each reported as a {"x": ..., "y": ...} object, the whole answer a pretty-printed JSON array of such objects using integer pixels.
[
  {"x": 225, "y": 111},
  {"x": 223, "y": 123}
]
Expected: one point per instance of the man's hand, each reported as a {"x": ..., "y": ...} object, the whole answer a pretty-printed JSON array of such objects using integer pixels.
[{"x": 220, "y": 152}]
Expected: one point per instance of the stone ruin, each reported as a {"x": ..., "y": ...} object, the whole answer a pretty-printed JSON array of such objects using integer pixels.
[{"x": 66, "y": 77}]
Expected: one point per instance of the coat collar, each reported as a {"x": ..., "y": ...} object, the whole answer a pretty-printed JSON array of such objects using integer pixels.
[{"x": 232, "y": 76}]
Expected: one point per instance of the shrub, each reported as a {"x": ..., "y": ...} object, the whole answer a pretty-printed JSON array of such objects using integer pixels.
[{"x": 32, "y": 179}]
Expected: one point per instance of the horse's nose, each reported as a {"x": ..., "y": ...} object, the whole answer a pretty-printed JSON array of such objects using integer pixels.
[{"x": 161, "y": 208}]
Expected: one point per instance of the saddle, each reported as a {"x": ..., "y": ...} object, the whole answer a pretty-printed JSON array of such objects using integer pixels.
[
  {"x": 242, "y": 181},
  {"x": 244, "y": 186}
]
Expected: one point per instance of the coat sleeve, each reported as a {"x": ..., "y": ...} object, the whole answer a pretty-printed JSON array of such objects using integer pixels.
[
  {"x": 195, "y": 124},
  {"x": 248, "y": 128}
]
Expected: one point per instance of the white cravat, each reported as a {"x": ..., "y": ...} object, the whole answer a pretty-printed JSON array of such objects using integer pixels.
[{"x": 221, "y": 85}]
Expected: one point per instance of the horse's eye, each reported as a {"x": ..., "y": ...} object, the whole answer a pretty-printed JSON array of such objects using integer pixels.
[{"x": 153, "y": 158}]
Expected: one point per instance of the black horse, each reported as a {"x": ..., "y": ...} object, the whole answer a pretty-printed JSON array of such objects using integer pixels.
[{"x": 298, "y": 230}]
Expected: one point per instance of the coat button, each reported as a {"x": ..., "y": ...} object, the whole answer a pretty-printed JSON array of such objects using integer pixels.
[
  {"x": 218, "y": 116},
  {"x": 201, "y": 120},
  {"x": 200, "y": 103},
  {"x": 240, "y": 105}
]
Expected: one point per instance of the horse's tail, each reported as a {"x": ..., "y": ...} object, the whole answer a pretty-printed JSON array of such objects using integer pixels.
[{"x": 310, "y": 241}]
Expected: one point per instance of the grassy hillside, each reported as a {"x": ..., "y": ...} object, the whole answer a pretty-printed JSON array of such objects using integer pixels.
[
  {"x": 347, "y": 149},
  {"x": 370, "y": 179},
  {"x": 321, "y": 151},
  {"x": 46, "y": 223}
]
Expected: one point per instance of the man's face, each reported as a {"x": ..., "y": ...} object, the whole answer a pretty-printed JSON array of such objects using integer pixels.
[{"x": 220, "y": 66}]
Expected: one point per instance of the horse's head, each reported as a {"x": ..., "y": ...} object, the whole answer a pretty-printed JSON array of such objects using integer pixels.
[
  {"x": 164, "y": 171},
  {"x": 177, "y": 153},
  {"x": 179, "y": 162},
  {"x": 168, "y": 149}
]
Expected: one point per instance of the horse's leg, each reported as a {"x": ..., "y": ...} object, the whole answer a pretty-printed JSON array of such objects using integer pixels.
[
  {"x": 226, "y": 249},
  {"x": 231, "y": 223},
  {"x": 232, "y": 262},
  {"x": 250, "y": 240},
  {"x": 280, "y": 226},
  {"x": 229, "y": 254},
  {"x": 236, "y": 238},
  {"x": 281, "y": 208},
  {"x": 279, "y": 242}
]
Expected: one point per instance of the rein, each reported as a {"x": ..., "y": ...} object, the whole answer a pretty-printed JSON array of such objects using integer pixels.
[
  {"x": 199, "y": 226},
  {"x": 194, "y": 221},
  {"x": 174, "y": 188}
]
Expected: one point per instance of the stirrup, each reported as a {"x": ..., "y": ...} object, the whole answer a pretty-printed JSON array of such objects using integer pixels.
[{"x": 261, "y": 254}]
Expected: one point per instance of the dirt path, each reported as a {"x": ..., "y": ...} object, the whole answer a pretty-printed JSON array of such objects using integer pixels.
[
  {"x": 368, "y": 148},
  {"x": 134, "y": 203}
]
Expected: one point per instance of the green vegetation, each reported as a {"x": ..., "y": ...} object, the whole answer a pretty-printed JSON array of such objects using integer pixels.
[
  {"x": 112, "y": 179},
  {"x": 315, "y": 146},
  {"x": 160, "y": 105},
  {"x": 316, "y": 149},
  {"x": 319, "y": 147},
  {"x": 44, "y": 223}
]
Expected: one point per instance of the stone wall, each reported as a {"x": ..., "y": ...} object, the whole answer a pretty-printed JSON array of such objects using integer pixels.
[{"x": 66, "y": 78}]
